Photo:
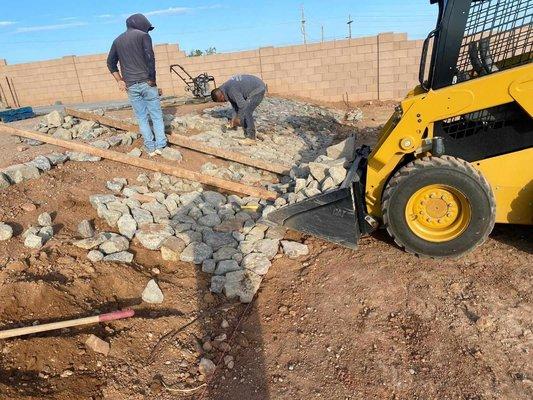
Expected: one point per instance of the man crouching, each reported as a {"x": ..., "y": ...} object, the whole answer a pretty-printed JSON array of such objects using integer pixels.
[{"x": 245, "y": 93}]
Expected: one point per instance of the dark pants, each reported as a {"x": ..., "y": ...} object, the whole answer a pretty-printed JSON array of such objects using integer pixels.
[{"x": 248, "y": 115}]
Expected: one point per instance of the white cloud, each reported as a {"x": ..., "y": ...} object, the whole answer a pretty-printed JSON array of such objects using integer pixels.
[
  {"x": 40, "y": 28},
  {"x": 169, "y": 11},
  {"x": 7, "y": 23},
  {"x": 105, "y": 16},
  {"x": 69, "y": 19},
  {"x": 175, "y": 10}
]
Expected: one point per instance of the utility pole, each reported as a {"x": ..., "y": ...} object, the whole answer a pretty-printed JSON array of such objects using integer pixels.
[
  {"x": 350, "y": 21},
  {"x": 304, "y": 34},
  {"x": 322, "y": 28}
]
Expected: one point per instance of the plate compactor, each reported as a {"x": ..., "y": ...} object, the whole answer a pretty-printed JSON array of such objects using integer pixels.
[
  {"x": 456, "y": 156},
  {"x": 200, "y": 86}
]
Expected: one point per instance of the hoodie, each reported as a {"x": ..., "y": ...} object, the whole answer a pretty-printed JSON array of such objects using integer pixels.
[
  {"x": 133, "y": 50},
  {"x": 239, "y": 89}
]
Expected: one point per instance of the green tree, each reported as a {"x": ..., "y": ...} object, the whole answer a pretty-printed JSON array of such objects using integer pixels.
[{"x": 206, "y": 52}]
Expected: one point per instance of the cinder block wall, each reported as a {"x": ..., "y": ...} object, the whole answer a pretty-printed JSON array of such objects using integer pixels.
[{"x": 378, "y": 67}]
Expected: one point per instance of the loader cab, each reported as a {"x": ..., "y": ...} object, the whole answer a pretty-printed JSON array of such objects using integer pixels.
[{"x": 474, "y": 38}]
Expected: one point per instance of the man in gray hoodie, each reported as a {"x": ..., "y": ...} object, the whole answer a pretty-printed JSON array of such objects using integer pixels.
[
  {"x": 133, "y": 50},
  {"x": 245, "y": 93}
]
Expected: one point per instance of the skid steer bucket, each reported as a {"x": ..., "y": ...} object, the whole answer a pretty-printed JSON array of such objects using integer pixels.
[{"x": 337, "y": 216}]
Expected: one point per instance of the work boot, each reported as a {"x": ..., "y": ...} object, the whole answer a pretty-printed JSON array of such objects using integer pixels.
[{"x": 249, "y": 135}]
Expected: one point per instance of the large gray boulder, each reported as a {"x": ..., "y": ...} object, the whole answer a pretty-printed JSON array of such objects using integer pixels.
[
  {"x": 171, "y": 248},
  {"x": 172, "y": 154},
  {"x": 152, "y": 235},
  {"x": 86, "y": 229},
  {"x": 115, "y": 244},
  {"x": 243, "y": 284},
  {"x": 54, "y": 119},
  {"x": 257, "y": 263},
  {"x": 344, "y": 149},
  {"x": 120, "y": 257},
  {"x": 40, "y": 162},
  {"x": 267, "y": 247},
  {"x": 196, "y": 253},
  {"x": 63, "y": 134},
  {"x": 217, "y": 240},
  {"x": 152, "y": 294},
  {"x": 85, "y": 127},
  {"x": 127, "y": 226},
  {"x": 21, "y": 172},
  {"x": 6, "y": 232},
  {"x": 223, "y": 267}
]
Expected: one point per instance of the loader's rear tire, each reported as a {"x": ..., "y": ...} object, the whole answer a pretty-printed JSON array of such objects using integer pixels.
[{"x": 438, "y": 207}]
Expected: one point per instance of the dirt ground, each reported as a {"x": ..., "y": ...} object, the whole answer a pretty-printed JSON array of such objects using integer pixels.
[{"x": 375, "y": 323}]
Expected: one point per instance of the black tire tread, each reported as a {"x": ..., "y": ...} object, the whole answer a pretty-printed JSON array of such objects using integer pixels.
[{"x": 429, "y": 161}]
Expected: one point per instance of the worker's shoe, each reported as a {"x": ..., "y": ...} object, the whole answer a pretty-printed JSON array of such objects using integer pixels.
[
  {"x": 247, "y": 141},
  {"x": 250, "y": 135},
  {"x": 158, "y": 152}
]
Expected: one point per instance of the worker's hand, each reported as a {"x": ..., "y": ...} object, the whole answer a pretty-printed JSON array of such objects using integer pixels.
[
  {"x": 235, "y": 122},
  {"x": 152, "y": 83},
  {"x": 160, "y": 91},
  {"x": 121, "y": 85}
]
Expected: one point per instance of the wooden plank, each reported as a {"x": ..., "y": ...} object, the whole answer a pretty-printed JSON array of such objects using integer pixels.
[
  {"x": 146, "y": 164},
  {"x": 102, "y": 119},
  {"x": 195, "y": 145},
  {"x": 186, "y": 142}
]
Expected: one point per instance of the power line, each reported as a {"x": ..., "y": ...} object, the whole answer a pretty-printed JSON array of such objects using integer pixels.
[{"x": 303, "y": 26}]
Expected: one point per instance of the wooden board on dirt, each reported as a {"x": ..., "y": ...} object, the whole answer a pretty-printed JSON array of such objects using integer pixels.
[
  {"x": 151, "y": 165},
  {"x": 185, "y": 142}
]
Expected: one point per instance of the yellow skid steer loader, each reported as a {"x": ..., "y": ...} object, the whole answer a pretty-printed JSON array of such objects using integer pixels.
[{"x": 456, "y": 156}]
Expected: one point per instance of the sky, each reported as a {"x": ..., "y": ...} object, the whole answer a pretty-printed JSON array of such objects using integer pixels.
[{"x": 32, "y": 30}]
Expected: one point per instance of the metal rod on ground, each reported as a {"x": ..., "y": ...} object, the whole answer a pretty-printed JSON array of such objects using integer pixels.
[
  {"x": 28, "y": 330},
  {"x": 15, "y": 92},
  {"x": 185, "y": 142},
  {"x": 11, "y": 91},
  {"x": 4, "y": 98},
  {"x": 146, "y": 164}
]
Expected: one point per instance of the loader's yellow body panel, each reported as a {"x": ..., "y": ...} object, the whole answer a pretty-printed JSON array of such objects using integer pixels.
[
  {"x": 511, "y": 178},
  {"x": 510, "y": 175}
]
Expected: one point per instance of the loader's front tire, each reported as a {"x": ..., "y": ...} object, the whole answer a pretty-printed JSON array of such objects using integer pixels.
[{"x": 438, "y": 207}]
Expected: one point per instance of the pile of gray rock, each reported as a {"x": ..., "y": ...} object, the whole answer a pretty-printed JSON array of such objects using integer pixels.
[
  {"x": 289, "y": 131},
  {"x": 324, "y": 174},
  {"x": 87, "y": 130},
  {"x": 103, "y": 246},
  {"x": 223, "y": 234},
  {"x": 66, "y": 127},
  {"x": 35, "y": 237}
]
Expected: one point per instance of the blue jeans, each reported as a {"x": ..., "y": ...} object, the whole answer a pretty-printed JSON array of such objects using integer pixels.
[{"x": 145, "y": 102}]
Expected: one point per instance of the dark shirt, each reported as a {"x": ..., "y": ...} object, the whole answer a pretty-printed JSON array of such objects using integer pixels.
[
  {"x": 133, "y": 49},
  {"x": 239, "y": 89}
]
